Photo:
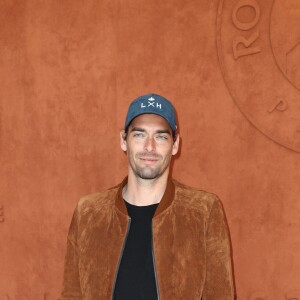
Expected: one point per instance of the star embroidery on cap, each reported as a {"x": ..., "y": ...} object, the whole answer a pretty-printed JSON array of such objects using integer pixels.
[{"x": 151, "y": 99}]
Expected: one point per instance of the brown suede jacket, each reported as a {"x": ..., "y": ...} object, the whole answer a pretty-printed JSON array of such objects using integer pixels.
[{"x": 190, "y": 246}]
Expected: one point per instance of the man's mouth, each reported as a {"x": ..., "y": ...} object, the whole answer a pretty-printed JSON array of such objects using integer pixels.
[{"x": 148, "y": 159}]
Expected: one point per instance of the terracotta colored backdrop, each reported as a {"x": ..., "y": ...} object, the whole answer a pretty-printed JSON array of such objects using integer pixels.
[{"x": 68, "y": 71}]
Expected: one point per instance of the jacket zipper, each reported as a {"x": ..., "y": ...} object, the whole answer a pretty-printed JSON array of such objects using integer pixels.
[
  {"x": 121, "y": 255},
  {"x": 154, "y": 266}
]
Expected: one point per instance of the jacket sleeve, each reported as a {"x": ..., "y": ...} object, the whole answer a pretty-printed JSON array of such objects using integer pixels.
[
  {"x": 219, "y": 278},
  {"x": 71, "y": 283}
]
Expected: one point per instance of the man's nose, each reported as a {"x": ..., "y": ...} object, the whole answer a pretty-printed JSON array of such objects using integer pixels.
[{"x": 150, "y": 144}]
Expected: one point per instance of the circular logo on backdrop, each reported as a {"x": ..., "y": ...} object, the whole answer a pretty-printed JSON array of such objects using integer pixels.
[{"x": 259, "y": 53}]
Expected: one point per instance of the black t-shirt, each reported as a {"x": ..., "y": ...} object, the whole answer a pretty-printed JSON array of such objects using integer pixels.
[{"x": 136, "y": 278}]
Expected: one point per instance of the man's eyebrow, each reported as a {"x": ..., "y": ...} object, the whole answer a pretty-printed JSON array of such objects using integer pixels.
[
  {"x": 157, "y": 131},
  {"x": 137, "y": 129},
  {"x": 163, "y": 131}
]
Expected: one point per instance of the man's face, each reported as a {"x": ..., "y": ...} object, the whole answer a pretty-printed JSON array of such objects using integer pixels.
[{"x": 149, "y": 145}]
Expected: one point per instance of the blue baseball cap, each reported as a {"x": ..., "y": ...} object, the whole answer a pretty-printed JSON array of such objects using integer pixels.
[{"x": 152, "y": 104}]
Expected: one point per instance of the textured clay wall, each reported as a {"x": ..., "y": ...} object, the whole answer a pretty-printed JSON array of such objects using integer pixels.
[{"x": 68, "y": 70}]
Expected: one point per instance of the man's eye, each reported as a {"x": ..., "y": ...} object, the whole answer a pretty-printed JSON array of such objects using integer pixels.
[
  {"x": 162, "y": 137},
  {"x": 138, "y": 134}
]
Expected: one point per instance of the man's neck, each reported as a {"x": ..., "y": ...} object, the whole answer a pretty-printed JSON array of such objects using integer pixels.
[{"x": 142, "y": 192}]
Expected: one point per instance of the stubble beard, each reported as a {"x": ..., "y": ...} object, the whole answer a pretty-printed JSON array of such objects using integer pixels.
[{"x": 148, "y": 172}]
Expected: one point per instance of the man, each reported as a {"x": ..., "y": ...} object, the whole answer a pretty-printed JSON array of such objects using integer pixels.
[{"x": 149, "y": 237}]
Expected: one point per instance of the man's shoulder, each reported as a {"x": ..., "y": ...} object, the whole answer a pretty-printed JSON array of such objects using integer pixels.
[
  {"x": 98, "y": 200},
  {"x": 194, "y": 198}
]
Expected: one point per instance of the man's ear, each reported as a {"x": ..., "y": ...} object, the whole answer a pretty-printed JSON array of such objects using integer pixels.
[
  {"x": 176, "y": 145},
  {"x": 123, "y": 142}
]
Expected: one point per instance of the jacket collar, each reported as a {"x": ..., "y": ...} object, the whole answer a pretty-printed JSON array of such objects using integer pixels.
[{"x": 165, "y": 202}]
